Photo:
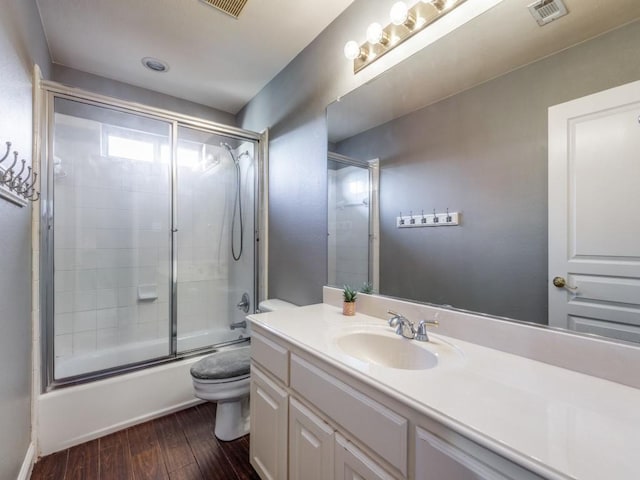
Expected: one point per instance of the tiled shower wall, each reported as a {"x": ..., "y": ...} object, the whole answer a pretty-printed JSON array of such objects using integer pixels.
[{"x": 111, "y": 236}]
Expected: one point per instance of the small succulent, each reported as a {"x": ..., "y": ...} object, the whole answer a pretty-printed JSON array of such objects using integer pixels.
[
  {"x": 367, "y": 288},
  {"x": 349, "y": 294}
]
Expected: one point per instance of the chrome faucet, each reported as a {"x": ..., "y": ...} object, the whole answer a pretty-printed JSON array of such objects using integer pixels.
[
  {"x": 403, "y": 325},
  {"x": 406, "y": 328},
  {"x": 242, "y": 324}
]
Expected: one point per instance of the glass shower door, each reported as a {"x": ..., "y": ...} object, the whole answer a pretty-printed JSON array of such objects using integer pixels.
[
  {"x": 214, "y": 242},
  {"x": 111, "y": 183}
]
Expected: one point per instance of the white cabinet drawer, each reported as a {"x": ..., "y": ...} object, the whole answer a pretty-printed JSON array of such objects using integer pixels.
[
  {"x": 382, "y": 430},
  {"x": 438, "y": 459},
  {"x": 272, "y": 357}
]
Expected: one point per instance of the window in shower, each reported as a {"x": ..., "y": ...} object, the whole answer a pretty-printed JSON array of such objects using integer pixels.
[{"x": 151, "y": 238}]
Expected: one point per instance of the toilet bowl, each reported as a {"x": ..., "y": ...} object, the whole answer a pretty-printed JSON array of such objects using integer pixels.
[{"x": 223, "y": 377}]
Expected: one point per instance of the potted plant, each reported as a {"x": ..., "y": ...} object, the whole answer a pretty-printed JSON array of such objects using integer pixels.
[{"x": 349, "y": 304}]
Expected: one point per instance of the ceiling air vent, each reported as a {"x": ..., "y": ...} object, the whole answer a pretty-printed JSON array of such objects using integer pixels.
[
  {"x": 545, "y": 11},
  {"x": 230, "y": 7}
]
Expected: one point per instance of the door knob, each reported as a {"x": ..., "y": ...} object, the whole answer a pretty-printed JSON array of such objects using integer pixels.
[{"x": 560, "y": 282}]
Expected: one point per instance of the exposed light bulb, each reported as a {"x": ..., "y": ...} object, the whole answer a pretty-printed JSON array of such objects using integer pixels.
[
  {"x": 352, "y": 50},
  {"x": 399, "y": 13},
  {"x": 376, "y": 34}
]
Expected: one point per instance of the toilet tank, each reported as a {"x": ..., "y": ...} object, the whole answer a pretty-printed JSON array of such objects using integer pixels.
[{"x": 273, "y": 304}]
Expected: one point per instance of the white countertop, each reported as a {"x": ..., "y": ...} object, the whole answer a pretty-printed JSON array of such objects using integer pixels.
[{"x": 556, "y": 422}]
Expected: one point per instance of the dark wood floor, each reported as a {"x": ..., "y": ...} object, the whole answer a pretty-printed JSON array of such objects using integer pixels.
[{"x": 180, "y": 446}]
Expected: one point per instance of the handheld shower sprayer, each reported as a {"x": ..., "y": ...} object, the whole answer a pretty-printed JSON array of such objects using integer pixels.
[{"x": 237, "y": 203}]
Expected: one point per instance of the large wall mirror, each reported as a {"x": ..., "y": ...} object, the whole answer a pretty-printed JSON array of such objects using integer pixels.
[{"x": 463, "y": 125}]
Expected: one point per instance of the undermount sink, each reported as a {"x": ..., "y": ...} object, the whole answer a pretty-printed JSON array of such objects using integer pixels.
[{"x": 387, "y": 350}]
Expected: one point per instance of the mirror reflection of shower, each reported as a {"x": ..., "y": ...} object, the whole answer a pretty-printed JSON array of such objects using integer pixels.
[{"x": 237, "y": 203}]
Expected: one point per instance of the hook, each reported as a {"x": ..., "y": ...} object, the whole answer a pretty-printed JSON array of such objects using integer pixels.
[
  {"x": 9, "y": 171},
  {"x": 30, "y": 187},
  {"x": 17, "y": 179},
  {"x": 6, "y": 153},
  {"x": 21, "y": 189}
]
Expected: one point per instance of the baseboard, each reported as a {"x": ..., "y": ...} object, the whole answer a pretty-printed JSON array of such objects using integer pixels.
[{"x": 27, "y": 464}]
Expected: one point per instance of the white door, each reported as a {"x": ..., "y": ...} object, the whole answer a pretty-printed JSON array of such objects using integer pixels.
[
  {"x": 310, "y": 445},
  {"x": 269, "y": 417},
  {"x": 594, "y": 213}
]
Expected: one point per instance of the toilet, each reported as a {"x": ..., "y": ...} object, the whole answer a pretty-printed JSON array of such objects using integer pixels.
[{"x": 223, "y": 377}]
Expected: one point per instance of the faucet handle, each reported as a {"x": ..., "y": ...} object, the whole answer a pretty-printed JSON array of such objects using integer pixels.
[{"x": 421, "y": 333}]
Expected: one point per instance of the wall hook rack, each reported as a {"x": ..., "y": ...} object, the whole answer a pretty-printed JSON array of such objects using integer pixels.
[{"x": 15, "y": 186}]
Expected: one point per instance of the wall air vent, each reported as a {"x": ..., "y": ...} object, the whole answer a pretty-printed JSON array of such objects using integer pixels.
[
  {"x": 545, "y": 11},
  {"x": 230, "y": 7}
]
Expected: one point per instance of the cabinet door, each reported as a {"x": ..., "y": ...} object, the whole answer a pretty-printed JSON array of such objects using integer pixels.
[
  {"x": 269, "y": 417},
  {"x": 351, "y": 463},
  {"x": 311, "y": 445},
  {"x": 437, "y": 460}
]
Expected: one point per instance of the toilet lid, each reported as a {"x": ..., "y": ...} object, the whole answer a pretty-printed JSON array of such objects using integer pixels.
[{"x": 223, "y": 364}]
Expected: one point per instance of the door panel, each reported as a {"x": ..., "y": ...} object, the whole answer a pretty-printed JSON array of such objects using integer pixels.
[{"x": 594, "y": 213}]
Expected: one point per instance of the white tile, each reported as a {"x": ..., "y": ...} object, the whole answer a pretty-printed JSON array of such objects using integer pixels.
[
  {"x": 127, "y": 316},
  {"x": 63, "y": 323},
  {"x": 84, "y": 321},
  {"x": 63, "y": 345},
  {"x": 107, "y": 338},
  {"x": 64, "y": 280},
  {"x": 107, "y": 298},
  {"x": 127, "y": 296},
  {"x": 127, "y": 334},
  {"x": 147, "y": 312},
  {"x": 84, "y": 342},
  {"x": 146, "y": 331},
  {"x": 84, "y": 300},
  {"x": 107, "y": 278},
  {"x": 85, "y": 280},
  {"x": 64, "y": 259},
  {"x": 107, "y": 318},
  {"x": 86, "y": 258},
  {"x": 63, "y": 302}
]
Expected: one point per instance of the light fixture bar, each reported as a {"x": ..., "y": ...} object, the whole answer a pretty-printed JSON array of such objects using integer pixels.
[{"x": 420, "y": 15}]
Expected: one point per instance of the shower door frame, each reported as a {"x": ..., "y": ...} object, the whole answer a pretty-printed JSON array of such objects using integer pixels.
[{"x": 49, "y": 91}]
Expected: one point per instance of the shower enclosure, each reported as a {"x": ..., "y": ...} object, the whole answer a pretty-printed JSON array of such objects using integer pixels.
[
  {"x": 353, "y": 225},
  {"x": 148, "y": 238}
]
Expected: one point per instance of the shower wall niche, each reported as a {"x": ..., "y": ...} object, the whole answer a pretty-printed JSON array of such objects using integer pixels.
[{"x": 140, "y": 215}]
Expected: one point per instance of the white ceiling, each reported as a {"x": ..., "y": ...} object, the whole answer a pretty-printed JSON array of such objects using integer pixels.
[
  {"x": 502, "y": 39},
  {"x": 214, "y": 59}
]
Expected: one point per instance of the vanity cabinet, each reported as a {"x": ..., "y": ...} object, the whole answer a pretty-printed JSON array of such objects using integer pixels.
[{"x": 308, "y": 423}]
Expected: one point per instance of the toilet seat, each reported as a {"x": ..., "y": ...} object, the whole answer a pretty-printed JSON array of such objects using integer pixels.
[{"x": 215, "y": 381}]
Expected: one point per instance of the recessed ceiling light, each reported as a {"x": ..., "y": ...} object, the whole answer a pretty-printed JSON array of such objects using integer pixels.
[{"x": 155, "y": 64}]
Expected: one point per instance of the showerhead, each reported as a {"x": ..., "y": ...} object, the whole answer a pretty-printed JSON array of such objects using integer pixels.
[{"x": 230, "y": 150}]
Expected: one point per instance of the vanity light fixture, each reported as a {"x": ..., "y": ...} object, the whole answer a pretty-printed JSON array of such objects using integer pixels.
[{"x": 405, "y": 22}]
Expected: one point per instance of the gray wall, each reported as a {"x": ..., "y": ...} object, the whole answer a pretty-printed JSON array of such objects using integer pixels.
[
  {"x": 124, "y": 91},
  {"x": 293, "y": 106},
  {"x": 483, "y": 152},
  {"x": 22, "y": 43}
]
